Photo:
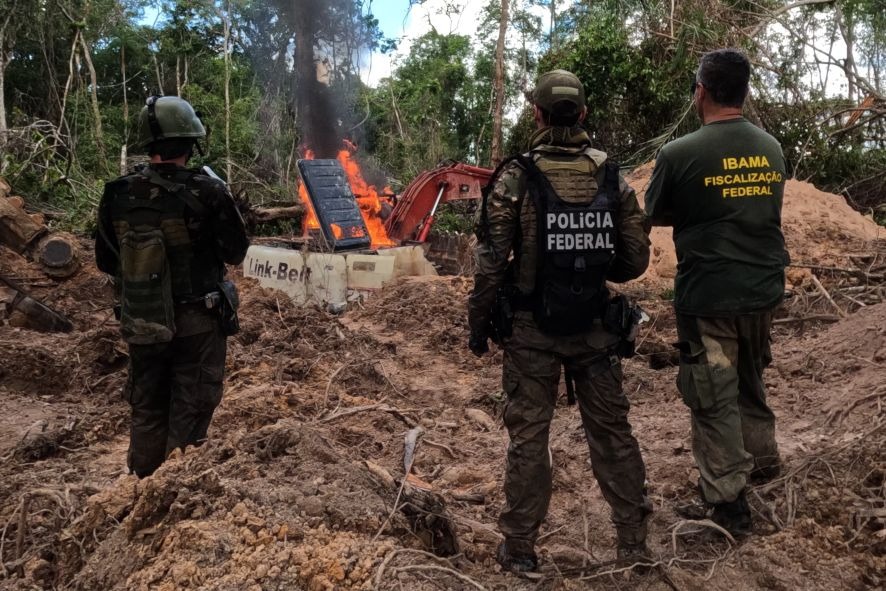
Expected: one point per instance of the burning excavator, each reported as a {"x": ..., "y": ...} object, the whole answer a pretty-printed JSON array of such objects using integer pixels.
[{"x": 358, "y": 237}]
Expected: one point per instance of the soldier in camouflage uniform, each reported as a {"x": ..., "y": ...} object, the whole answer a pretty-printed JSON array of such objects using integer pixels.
[
  {"x": 523, "y": 251},
  {"x": 721, "y": 188},
  {"x": 165, "y": 234}
]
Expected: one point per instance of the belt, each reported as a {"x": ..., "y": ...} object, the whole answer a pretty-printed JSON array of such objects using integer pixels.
[{"x": 210, "y": 300}]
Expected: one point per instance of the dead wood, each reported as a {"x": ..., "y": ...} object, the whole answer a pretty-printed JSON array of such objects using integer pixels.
[
  {"x": 18, "y": 230},
  {"x": 263, "y": 215}
]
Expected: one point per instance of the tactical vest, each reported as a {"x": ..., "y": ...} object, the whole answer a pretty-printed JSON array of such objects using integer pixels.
[
  {"x": 575, "y": 245},
  {"x": 149, "y": 201}
]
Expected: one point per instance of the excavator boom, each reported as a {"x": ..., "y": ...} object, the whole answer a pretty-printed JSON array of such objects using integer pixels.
[{"x": 414, "y": 212}]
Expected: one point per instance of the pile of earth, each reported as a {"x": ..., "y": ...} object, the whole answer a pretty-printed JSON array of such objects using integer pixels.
[
  {"x": 429, "y": 309},
  {"x": 299, "y": 484},
  {"x": 288, "y": 494}
]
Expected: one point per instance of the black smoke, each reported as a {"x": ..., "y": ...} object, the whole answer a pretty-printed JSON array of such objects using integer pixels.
[{"x": 315, "y": 104}]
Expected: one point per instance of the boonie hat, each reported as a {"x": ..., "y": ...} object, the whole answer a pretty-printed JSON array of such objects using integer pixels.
[{"x": 560, "y": 92}]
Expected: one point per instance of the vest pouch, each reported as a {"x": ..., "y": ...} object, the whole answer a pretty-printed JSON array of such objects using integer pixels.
[
  {"x": 230, "y": 302},
  {"x": 561, "y": 312},
  {"x": 571, "y": 293},
  {"x": 147, "y": 314}
]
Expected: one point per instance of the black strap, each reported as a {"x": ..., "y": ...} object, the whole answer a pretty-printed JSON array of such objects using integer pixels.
[
  {"x": 177, "y": 189},
  {"x": 153, "y": 123},
  {"x": 611, "y": 178}
]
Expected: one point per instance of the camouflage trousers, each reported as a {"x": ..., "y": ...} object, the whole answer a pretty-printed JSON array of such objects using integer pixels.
[
  {"x": 531, "y": 375},
  {"x": 721, "y": 381},
  {"x": 173, "y": 389}
]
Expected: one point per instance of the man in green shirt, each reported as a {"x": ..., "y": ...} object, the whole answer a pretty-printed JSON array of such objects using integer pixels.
[{"x": 721, "y": 189}]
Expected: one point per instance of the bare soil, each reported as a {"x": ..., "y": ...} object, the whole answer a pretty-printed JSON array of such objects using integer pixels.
[{"x": 298, "y": 487}]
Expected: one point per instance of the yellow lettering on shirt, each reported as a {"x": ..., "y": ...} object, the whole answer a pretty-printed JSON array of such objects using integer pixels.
[
  {"x": 745, "y": 162},
  {"x": 739, "y": 179},
  {"x": 751, "y": 191}
]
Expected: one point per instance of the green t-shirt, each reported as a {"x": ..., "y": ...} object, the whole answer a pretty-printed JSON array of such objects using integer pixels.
[{"x": 721, "y": 188}]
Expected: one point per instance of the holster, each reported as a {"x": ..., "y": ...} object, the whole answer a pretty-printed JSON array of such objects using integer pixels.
[
  {"x": 227, "y": 308},
  {"x": 502, "y": 315},
  {"x": 622, "y": 318}
]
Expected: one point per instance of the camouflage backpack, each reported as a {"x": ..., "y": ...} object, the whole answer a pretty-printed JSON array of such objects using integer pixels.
[
  {"x": 147, "y": 314},
  {"x": 145, "y": 283}
]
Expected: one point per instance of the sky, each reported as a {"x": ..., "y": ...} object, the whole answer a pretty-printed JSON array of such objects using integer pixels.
[{"x": 398, "y": 21}]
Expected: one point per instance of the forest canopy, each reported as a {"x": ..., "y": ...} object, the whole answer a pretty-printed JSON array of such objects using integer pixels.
[{"x": 75, "y": 73}]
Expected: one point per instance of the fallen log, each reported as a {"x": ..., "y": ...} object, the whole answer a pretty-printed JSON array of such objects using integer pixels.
[
  {"x": 26, "y": 234},
  {"x": 18, "y": 230},
  {"x": 263, "y": 215}
]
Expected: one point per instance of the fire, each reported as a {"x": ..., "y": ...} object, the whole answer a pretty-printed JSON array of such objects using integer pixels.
[
  {"x": 311, "y": 221},
  {"x": 367, "y": 199}
]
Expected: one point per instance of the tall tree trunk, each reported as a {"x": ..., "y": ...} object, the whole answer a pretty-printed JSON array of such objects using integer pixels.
[
  {"x": 498, "y": 85},
  {"x": 62, "y": 122},
  {"x": 3, "y": 62},
  {"x": 552, "y": 37},
  {"x": 227, "y": 28},
  {"x": 848, "y": 34},
  {"x": 159, "y": 75},
  {"x": 96, "y": 111},
  {"x": 125, "y": 146},
  {"x": 6, "y": 36}
]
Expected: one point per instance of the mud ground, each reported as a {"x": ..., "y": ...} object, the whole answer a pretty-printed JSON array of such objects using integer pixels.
[{"x": 301, "y": 485}]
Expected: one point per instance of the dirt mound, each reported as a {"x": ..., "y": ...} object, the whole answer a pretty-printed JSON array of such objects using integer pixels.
[
  {"x": 849, "y": 358},
  {"x": 278, "y": 505},
  {"x": 298, "y": 486},
  {"x": 819, "y": 228},
  {"x": 432, "y": 309}
]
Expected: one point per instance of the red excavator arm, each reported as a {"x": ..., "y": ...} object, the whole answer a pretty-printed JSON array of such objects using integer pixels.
[{"x": 412, "y": 216}]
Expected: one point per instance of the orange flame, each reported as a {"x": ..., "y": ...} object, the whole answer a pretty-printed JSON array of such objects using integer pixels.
[
  {"x": 367, "y": 199},
  {"x": 311, "y": 221}
]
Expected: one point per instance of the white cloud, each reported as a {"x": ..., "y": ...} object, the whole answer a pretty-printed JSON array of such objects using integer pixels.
[{"x": 421, "y": 19}]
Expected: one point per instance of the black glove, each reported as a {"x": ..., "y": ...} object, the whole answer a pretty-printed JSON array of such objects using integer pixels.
[{"x": 478, "y": 344}]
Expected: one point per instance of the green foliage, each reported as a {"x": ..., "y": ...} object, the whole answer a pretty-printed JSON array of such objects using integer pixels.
[
  {"x": 636, "y": 59},
  {"x": 455, "y": 217},
  {"x": 430, "y": 110},
  {"x": 59, "y": 156},
  {"x": 632, "y": 89}
]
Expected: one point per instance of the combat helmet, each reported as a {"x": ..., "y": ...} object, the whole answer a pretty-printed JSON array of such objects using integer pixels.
[{"x": 166, "y": 118}]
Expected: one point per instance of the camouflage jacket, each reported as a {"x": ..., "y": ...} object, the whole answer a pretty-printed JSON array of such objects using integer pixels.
[
  {"x": 198, "y": 243},
  {"x": 511, "y": 231}
]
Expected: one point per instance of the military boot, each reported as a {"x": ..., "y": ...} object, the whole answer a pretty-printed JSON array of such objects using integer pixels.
[
  {"x": 734, "y": 517},
  {"x": 636, "y": 555},
  {"x": 517, "y": 556},
  {"x": 695, "y": 508},
  {"x": 632, "y": 549},
  {"x": 763, "y": 474}
]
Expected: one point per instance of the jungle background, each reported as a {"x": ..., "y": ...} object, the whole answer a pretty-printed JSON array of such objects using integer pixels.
[
  {"x": 364, "y": 450},
  {"x": 74, "y": 75}
]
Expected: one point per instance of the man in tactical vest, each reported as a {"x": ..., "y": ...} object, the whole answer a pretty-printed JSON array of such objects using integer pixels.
[
  {"x": 165, "y": 234},
  {"x": 571, "y": 223},
  {"x": 721, "y": 189}
]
